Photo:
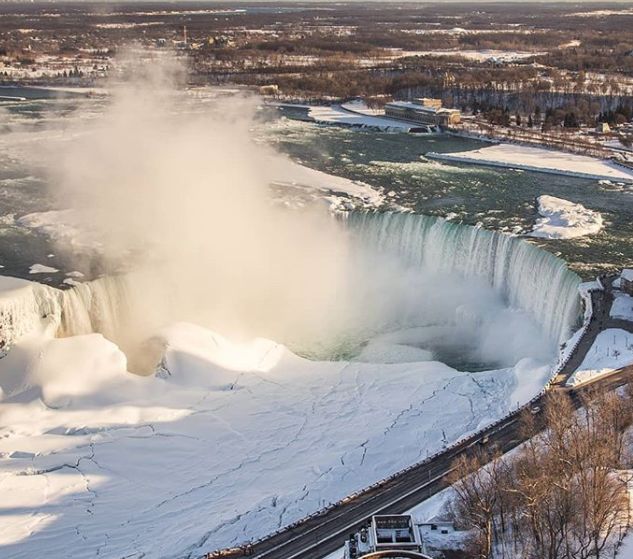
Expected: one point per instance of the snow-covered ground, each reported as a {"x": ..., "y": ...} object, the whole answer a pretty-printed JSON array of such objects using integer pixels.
[
  {"x": 359, "y": 106},
  {"x": 480, "y": 55},
  {"x": 231, "y": 440},
  {"x": 562, "y": 219},
  {"x": 603, "y": 13},
  {"x": 622, "y": 306},
  {"x": 290, "y": 172},
  {"x": 334, "y": 114},
  {"x": 612, "y": 349},
  {"x": 541, "y": 159},
  {"x": 625, "y": 551}
]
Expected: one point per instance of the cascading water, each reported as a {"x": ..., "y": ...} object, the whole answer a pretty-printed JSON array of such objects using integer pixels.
[
  {"x": 527, "y": 277},
  {"x": 96, "y": 306},
  {"x": 111, "y": 306},
  {"x": 524, "y": 276}
]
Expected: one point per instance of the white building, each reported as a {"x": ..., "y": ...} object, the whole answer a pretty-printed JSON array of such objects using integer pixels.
[{"x": 423, "y": 111}]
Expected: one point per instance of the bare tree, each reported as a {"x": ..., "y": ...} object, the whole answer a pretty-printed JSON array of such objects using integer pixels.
[{"x": 562, "y": 495}]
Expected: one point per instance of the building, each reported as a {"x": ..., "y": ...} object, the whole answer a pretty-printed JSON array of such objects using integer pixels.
[
  {"x": 269, "y": 90},
  {"x": 423, "y": 111},
  {"x": 394, "y": 536},
  {"x": 626, "y": 281},
  {"x": 603, "y": 128}
]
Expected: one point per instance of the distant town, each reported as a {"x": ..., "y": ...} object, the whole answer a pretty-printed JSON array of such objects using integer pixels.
[{"x": 552, "y": 78}]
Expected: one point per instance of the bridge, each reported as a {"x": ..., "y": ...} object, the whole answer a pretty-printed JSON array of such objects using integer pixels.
[{"x": 326, "y": 530}]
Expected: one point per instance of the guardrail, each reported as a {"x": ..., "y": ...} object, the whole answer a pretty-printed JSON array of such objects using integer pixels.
[{"x": 466, "y": 440}]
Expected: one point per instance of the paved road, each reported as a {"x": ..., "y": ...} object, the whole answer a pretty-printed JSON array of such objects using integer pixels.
[
  {"x": 325, "y": 533},
  {"x": 322, "y": 534},
  {"x": 601, "y": 303}
]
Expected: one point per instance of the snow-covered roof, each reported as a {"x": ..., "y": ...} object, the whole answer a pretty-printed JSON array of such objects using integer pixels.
[{"x": 627, "y": 274}]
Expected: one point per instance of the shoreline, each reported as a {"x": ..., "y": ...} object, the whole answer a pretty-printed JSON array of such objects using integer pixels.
[{"x": 451, "y": 158}]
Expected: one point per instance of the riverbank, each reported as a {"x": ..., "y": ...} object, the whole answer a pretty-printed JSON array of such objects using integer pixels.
[{"x": 540, "y": 160}]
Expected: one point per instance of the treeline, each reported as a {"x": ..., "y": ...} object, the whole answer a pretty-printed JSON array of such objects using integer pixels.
[
  {"x": 562, "y": 495},
  {"x": 557, "y": 108},
  {"x": 612, "y": 60},
  {"x": 569, "y": 116}
]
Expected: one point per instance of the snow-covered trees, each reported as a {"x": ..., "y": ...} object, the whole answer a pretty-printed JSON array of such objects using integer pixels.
[{"x": 561, "y": 495}]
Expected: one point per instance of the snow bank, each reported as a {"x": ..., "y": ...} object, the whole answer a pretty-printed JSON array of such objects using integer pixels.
[
  {"x": 107, "y": 463},
  {"x": 562, "y": 219},
  {"x": 359, "y": 106},
  {"x": 78, "y": 370},
  {"x": 539, "y": 159},
  {"x": 42, "y": 269},
  {"x": 289, "y": 172},
  {"x": 194, "y": 355},
  {"x": 612, "y": 350},
  {"x": 622, "y": 307}
]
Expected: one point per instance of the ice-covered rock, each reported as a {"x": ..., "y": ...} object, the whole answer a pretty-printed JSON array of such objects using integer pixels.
[{"x": 562, "y": 219}]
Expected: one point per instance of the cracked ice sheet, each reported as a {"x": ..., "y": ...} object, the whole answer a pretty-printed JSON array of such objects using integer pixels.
[{"x": 210, "y": 455}]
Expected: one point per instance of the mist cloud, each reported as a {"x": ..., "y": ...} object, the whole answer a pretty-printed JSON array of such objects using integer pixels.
[{"x": 182, "y": 199}]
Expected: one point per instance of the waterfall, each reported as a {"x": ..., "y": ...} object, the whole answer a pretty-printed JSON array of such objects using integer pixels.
[
  {"x": 125, "y": 308},
  {"x": 102, "y": 305},
  {"x": 97, "y": 306},
  {"x": 23, "y": 306},
  {"x": 527, "y": 276}
]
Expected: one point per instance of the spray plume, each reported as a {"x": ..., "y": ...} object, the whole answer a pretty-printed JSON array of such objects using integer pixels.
[{"x": 182, "y": 197}]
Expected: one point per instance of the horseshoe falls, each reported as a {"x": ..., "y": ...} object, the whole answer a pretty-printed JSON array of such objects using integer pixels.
[{"x": 526, "y": 276}]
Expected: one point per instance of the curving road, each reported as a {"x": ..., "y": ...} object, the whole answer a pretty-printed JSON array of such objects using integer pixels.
[{"x": 323, "y": 533}]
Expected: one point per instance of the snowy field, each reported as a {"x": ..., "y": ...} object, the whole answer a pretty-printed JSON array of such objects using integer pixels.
[
  {"x": 612, "y": 349},
  {"x": 228, "y": 442},
  {"x": 532, "y": 158},
  {"x": 480, "y": 55},
  {"x": 562, "y": 219}
]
